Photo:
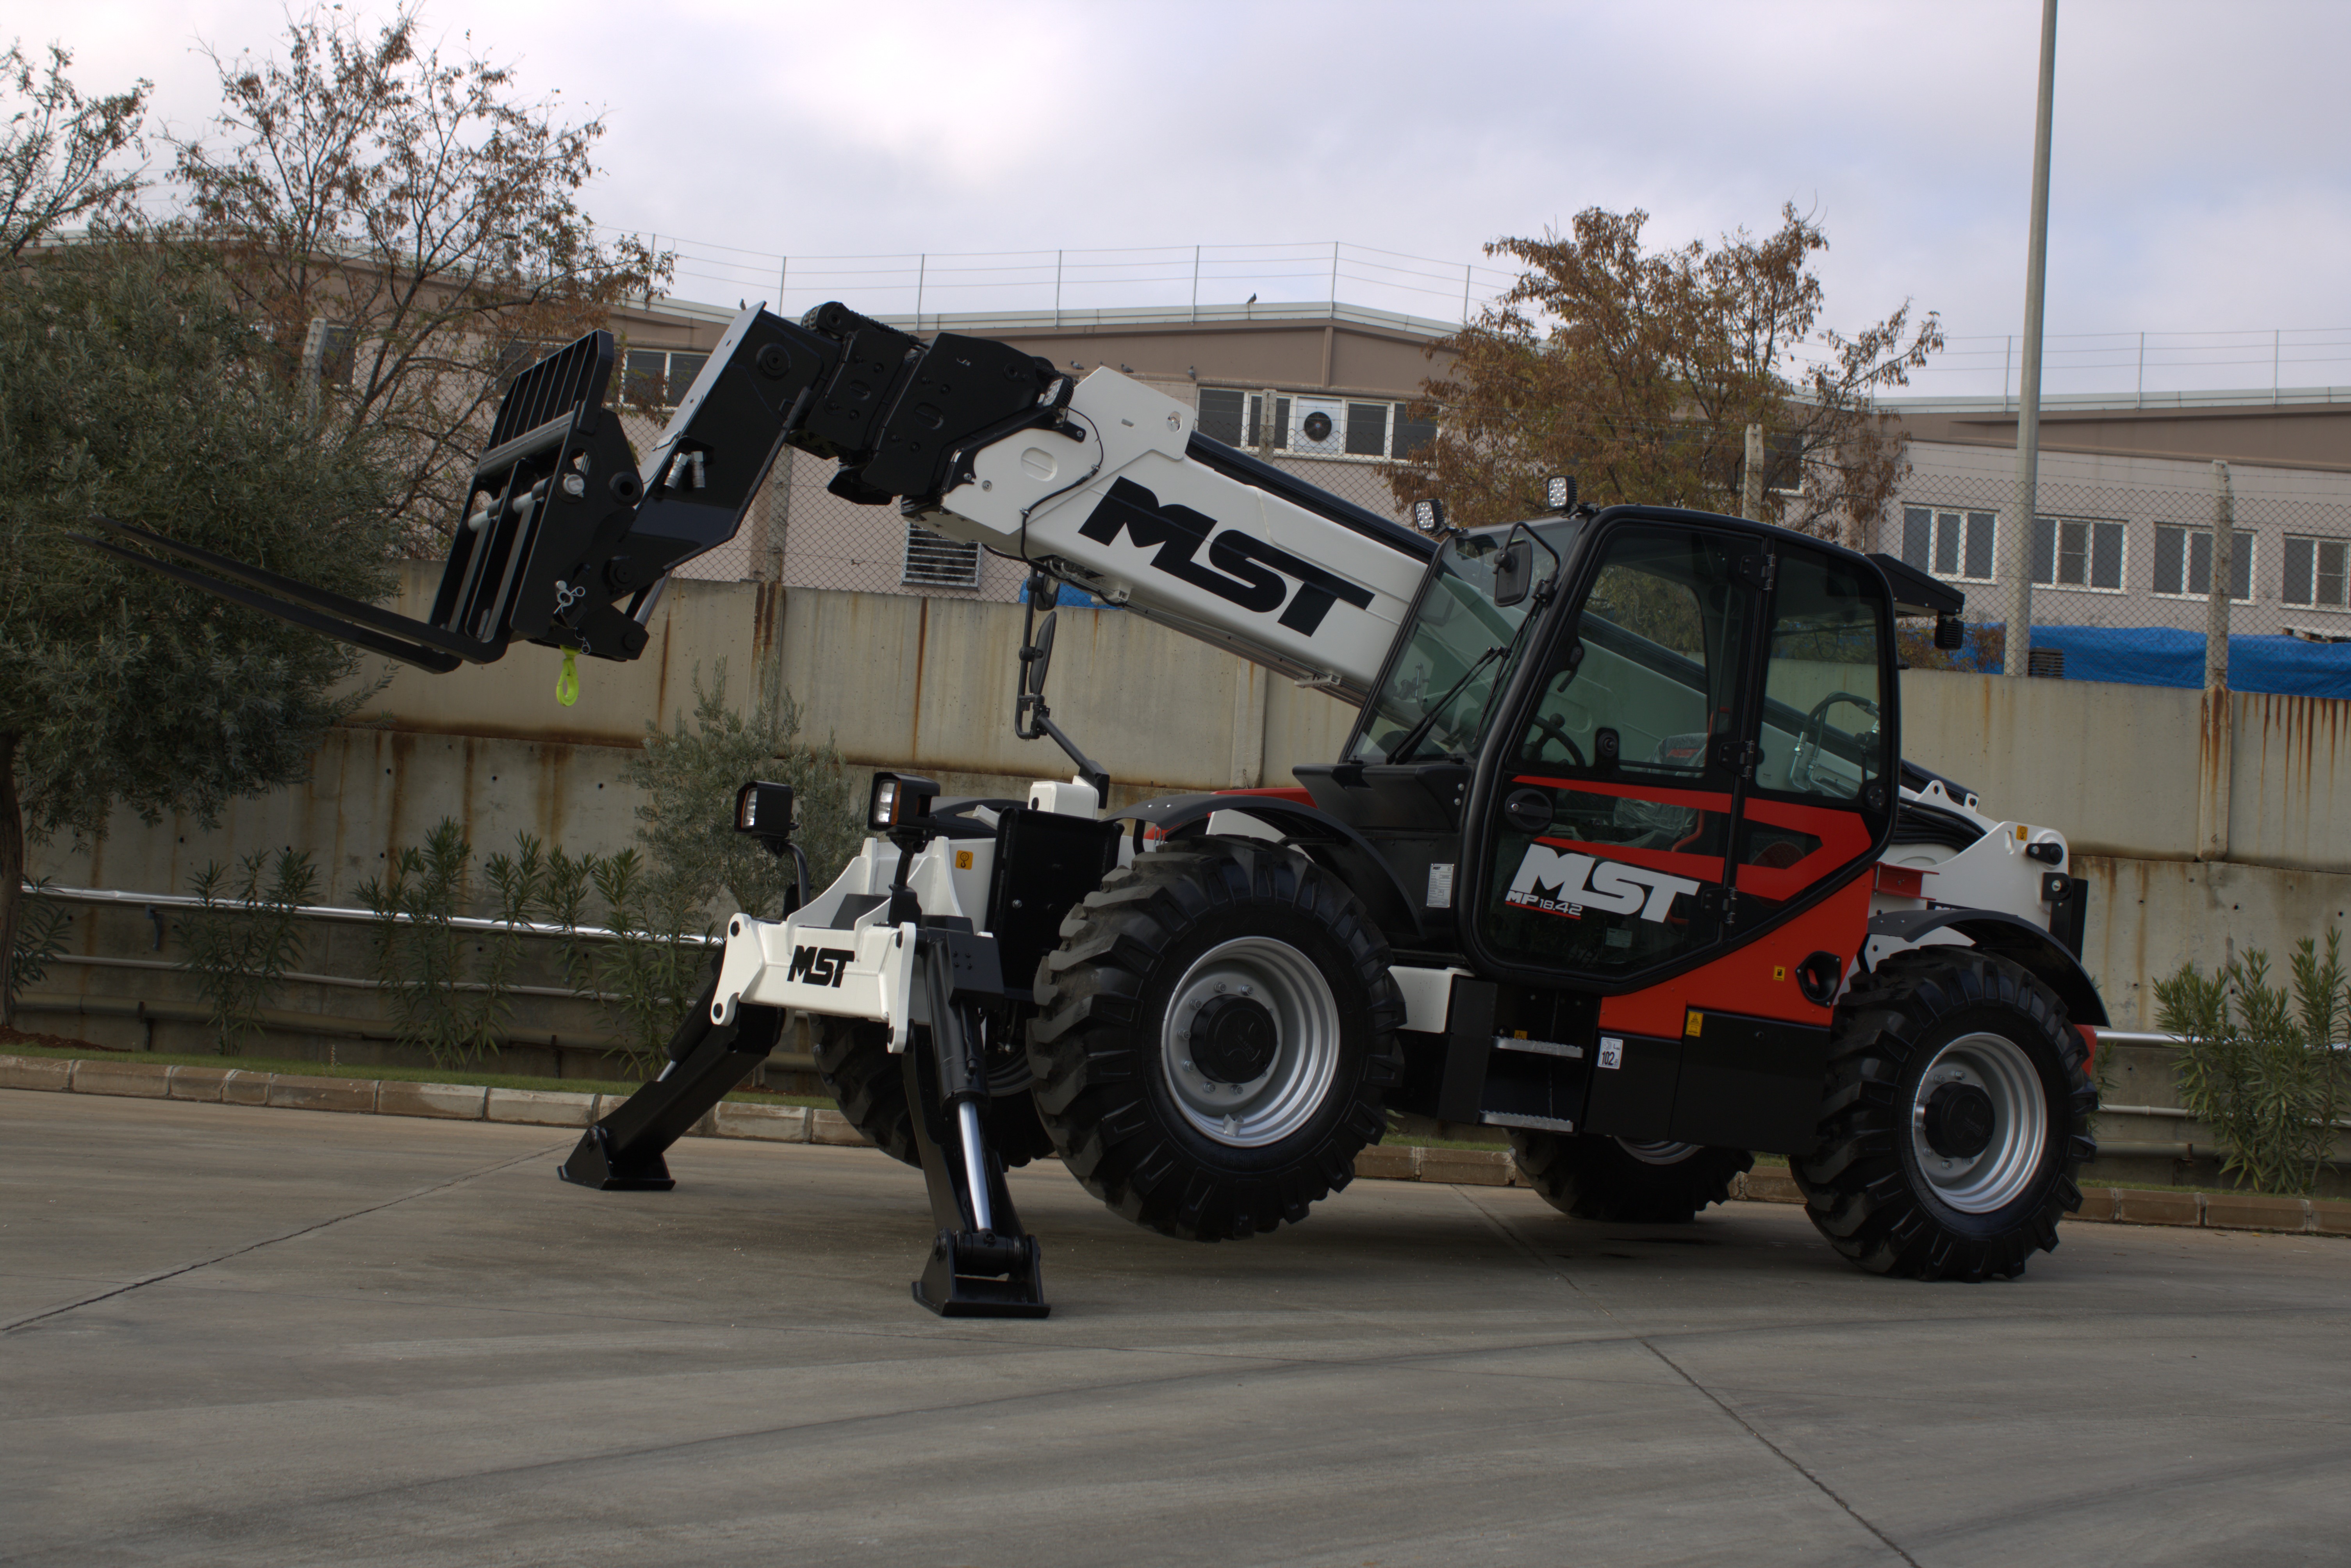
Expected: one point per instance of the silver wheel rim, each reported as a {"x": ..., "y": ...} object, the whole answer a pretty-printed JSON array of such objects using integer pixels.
[
  {"x": 2003, "y": 1170},
  {"x": 1658, "y": 1154},
  {"x": 1286, "y": 1095}
]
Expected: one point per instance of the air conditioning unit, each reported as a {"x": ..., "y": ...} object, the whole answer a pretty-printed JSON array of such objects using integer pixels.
[{"x": 1318, "y": 427}]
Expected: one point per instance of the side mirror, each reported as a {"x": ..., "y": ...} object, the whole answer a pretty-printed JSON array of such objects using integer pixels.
[
  {"x": 1038, "y": 657},
  {"x": 1513, "y": 573}
]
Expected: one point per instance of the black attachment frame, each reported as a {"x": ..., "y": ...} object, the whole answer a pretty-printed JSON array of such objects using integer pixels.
[{"x": 566, "y": 540}]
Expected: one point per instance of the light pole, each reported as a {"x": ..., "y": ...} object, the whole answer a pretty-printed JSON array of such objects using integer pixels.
[{"x": 2016, "y": 541}]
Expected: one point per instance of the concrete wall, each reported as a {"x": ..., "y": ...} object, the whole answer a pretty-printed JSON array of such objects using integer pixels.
[
  {"x": 2118, "y": 769},
  {"x": 898, "y": 681}
]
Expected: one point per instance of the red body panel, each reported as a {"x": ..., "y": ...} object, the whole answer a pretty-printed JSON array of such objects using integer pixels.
[{"x": 1758, "y": 978}]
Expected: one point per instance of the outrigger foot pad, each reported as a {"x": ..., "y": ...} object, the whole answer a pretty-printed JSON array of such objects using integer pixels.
[
  {"x": 594, "y": 1164},
  {"x": 980, "y": 1274}
]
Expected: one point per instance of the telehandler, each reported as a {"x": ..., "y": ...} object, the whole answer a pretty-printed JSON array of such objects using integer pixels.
[{"x": 1621, "y": 856}]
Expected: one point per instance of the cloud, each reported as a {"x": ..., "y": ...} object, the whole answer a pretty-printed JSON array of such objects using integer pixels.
[{"x": 2198, "y": 182}]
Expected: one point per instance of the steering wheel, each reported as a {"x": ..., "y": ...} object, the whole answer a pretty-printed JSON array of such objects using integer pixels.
[
  {"x": 1808, "y": 739},
  {"x": 1552, "y": 730}
]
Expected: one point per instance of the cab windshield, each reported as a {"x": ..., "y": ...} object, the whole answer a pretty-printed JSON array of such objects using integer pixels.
[{"x": 1458, "y": 651}]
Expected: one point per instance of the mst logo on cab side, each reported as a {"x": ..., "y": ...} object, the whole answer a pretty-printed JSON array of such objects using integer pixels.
[
  {"x": 1241, "y": 569},
  {"x": 1569, "y": 884}
]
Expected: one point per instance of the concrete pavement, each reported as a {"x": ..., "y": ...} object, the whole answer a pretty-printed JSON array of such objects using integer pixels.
[{"x": 258, "y": 1337}]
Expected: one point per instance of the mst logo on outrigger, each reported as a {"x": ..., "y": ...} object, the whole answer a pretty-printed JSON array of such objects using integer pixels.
[
  {"x": 819, "y": 966},
  {"x": 1569, "y": 884}
]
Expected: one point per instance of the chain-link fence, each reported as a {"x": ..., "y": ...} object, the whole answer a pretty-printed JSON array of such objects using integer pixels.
[
  {"x": 2122, "y": 556},
  {"x": 806, "y": 537},
  {"x": 2123, "y": 572}
]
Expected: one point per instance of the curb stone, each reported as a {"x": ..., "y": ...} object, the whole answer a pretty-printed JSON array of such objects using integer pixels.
[
  {"x": 399, "y": 1097},
  {"x": 816, "y": 1125}
]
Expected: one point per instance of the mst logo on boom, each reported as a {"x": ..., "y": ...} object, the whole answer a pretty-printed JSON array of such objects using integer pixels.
[
  {"x": 819, "y": 966},
  {"x": 1570, "y": 884},
  {"x": 1253, "y": 573}
]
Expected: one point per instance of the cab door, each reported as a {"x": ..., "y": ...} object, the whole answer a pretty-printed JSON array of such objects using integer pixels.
[
  {"x": 1679, "y": 829},
  {"x": 1606, "y": 838}
]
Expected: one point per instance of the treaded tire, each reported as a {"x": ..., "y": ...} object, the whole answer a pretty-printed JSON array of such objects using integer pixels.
[
  {"x": 869, "y": 1084},
  {"x": 1594, "y": 1177},
  {"x": 1104, "y": 1085},
  {"x": 1866, "y": 1187}
]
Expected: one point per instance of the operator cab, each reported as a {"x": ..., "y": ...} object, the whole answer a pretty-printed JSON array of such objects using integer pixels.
[{"x": 1682, "y": 736}]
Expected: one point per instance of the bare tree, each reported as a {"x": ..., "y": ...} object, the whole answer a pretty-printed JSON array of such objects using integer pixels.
[
  {"x": 57, "y": 155},
  {"x": 1639, "y": 373},
  {"x": 406, "y": 228}
]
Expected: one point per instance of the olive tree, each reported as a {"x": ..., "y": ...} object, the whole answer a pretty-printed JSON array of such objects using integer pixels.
[{"x": 132, "y": 386}]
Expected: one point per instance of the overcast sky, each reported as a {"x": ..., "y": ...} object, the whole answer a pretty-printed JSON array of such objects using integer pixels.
[{"x": 2200, "y": 179}]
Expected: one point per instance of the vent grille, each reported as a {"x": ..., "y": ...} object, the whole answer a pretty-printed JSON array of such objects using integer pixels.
[{"x": 935, "y": 561}]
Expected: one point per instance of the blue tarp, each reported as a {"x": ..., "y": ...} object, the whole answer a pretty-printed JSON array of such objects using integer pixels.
[
  {"x": 2166, "y": 656},
  {"x": 1077, "y": 598}
]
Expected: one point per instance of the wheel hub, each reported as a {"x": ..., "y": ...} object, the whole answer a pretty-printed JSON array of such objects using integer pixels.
[
  {"x": 1250, "y": 1042},
  {"x": 1981, "y": 1123},
  {"x": 1958, "y": 1121},
  {"x": 1234, "y": 1039}
]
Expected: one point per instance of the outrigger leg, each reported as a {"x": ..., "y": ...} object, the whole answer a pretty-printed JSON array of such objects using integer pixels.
[
  {"x": 982, "y": 1263},
  {"x": 622, "y": 1153}
]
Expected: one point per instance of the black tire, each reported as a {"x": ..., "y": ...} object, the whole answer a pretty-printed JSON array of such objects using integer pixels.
[
  {"x": 1118, "y": 1091},
  {"x": 869, "y": 1084},
  {"x": 1892, "y": 1184},
  {"x": 1608, "y": 1179}
]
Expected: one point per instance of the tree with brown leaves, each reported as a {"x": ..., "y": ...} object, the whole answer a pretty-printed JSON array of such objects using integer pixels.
[
  {"x": 59, "y": 151},
  {"x": 406, "y": 229},
  {"x": 1638, "y": 371}
]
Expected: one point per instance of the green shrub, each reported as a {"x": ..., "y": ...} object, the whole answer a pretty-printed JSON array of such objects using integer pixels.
[
  {"x": 650, "y": 972},
  {"x": 450, "y": 992},
  {"x": 2261, "y": 1066},
  {"x": 690, "y": 778},
  {"x": 40, "y": 941},
  {"x": 245, "y": 938}
]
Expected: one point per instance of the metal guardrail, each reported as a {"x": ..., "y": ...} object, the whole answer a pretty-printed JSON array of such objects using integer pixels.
[
  {"x": 348, "y": 982},
  {"x": 120, "y": 898}
]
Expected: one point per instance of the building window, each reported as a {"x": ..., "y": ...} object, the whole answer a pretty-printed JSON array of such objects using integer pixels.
[
  {"x": 1221, "y": 413},
  {"x": 331, "y": 352},
  {"x": 1408, "y": 436},
  {"x": 1305, "y": 425},
  {"x": 2078, "y": 552},
  {"x": 1950, "y": 543},
  {"x": 2183, "y": 563},
  {"x": 515, "y": 355},
  {"x": 933, "y": 560},
  {"x": 658, "y": 378},
  {"x": 2318, "y": 572},
  {"x": 1277, "y": 438}
]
